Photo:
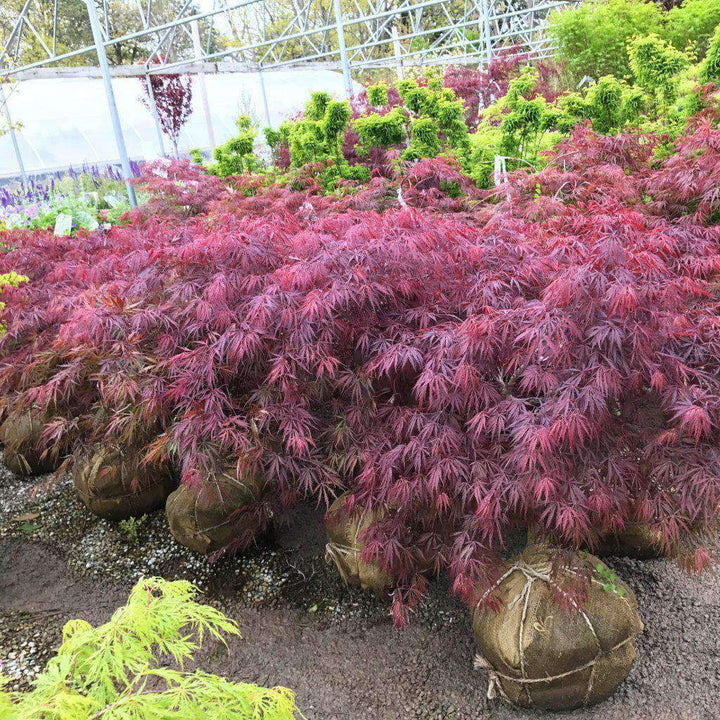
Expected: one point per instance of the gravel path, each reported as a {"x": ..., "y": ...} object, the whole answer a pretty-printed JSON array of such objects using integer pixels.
[{"x": 302, "y": 628}]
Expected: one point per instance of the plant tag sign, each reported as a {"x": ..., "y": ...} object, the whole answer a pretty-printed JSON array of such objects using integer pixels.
[
  {"x": 63, "y": 224},
  {"x": 112, "y": 201}
]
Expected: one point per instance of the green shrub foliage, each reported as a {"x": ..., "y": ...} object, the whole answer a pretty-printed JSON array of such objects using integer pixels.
[
  {"x": 630, "y": 54},
  {"x": 236, "y": 155},
  {"x": 377, "y": 95},
  {"x": 381, "y": 131},
  {"x": 710, "y": 71},
  {"x": 691, "y": 24},
  {"x": 118, "y": 670},
  {"x": 655, "y": 63},
  {"x": 610, "y": 104},
  {"x": 593, "y": 38}
]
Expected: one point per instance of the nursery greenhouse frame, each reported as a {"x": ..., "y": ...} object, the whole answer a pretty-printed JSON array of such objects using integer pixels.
[{"x": 351, "y": 36}]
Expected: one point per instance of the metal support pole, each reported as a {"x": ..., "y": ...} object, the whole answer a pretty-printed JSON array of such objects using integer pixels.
[
  {"x": 13, "y": 136},
  {"x": 197, "y": 49},
  {"x": 339, "y": 24},
  {"x": 486, "y": 30},
  {"x": 263, "y": 89},
  {"x": 397, "y": 50},
  {"x": 110, "y": 93},
  {"x": 55, "y": 19},
  {"x": 156, "y": 117}
]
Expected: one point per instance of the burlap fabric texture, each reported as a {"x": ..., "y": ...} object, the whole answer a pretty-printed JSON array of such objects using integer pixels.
[
  {"x": 217, "y": 512},
  {"x": 345, "y": 544},
  {"x": 113, "y": 482},
  {"x": 545, "y": 656},
  {"x": 636, "y": 540},
  {"x": 20, "y": 434}
]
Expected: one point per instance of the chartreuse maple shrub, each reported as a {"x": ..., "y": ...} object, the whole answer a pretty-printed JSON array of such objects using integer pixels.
[
  {"x": 119, "y": 670},
  {"x": 315, "y": 139},
  {"x": 342, "y": 143},
  {"x": 552, "y": 359}
]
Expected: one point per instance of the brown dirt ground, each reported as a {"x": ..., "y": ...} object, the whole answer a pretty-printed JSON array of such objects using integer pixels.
[{"x": 334, "y": 646}]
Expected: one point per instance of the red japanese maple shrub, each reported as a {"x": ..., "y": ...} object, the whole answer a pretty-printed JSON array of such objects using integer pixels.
[
  {"x": 170, "y": 97},
  {"x": 688, "y": 183},
  {"x": 176, "y": 187},
  {"x": 553, "y": 361}
]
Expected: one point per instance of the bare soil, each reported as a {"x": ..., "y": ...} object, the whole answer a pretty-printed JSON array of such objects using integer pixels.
[{"x": 335, "y": 646}]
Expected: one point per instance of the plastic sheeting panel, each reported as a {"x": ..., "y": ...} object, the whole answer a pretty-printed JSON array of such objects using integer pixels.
[{"x": 65, "y": 121}]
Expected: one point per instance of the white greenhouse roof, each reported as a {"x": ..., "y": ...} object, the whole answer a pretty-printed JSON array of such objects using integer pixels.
[{"x": 65, "y": 121}]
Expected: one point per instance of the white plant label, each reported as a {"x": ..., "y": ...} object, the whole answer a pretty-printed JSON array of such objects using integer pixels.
[{"x": 63, "y": 224}]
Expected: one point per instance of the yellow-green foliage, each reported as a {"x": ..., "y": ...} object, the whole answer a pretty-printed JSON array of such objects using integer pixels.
[
  {"x": 610, "y": 104},
  {"x": 655, "y": 64},
  {"x": 118, "y": 671},
  {"x": 381, "y": 130},
  {"x": 529, "y": 118},
  {"x": 484, "y": 146},
  {"x": 691, "y": 25},
  {"x": 424, "y": 139},
  {"x": 236, "y": 155},
  {"x": 11, "y": 279},
  {"x": 710, "y": 70},
  {"x": 317, "y": 138},
  {"x": 450, "y": 116},
  {"x": 318, "y": 135},
  {"x": 334, "y": 123},
  {"x": 377, "y": 95},
  {"x": 593, "y": 38},
  {"x": 519, "y": 127},
  {"x": 316, "y": 106}
]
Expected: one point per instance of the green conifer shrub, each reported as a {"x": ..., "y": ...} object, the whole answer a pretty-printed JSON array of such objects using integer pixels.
[
  {"x": 315, "y": 108},
  {"x": 381, "y": 130},
  {"x": 610, "y": 104},
  {"x": 425, "y": 139}
]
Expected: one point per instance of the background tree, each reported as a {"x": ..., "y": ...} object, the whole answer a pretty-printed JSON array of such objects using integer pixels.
[
  {"x": 172, "y": 96},
  {"x": 73, "y": 29},
  {"x": 593, "y": 39},
  {"x": 691, "y": 24}
]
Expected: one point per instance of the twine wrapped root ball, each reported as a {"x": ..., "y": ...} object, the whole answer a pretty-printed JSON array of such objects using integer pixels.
[
  {"x": 345, "y": 544},
  {"x": 219, "y": 511},
  {"x": 636, "y": 540},
  {"x": 20, "y": 434},
  {"x": 545, "y": 656},
  {"x": 115, "y": 484}
]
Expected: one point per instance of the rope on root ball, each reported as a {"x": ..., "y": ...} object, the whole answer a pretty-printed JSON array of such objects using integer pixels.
[{"x": 532, "y": 575}]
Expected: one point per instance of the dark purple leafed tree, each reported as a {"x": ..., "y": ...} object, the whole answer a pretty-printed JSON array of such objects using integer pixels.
[{"x": 172, "y": 95}]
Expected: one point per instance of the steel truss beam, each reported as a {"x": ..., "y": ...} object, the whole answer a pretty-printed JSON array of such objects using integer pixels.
[
  {"x": 374, "y": 32},
  {"x": 263, "y": 35}
]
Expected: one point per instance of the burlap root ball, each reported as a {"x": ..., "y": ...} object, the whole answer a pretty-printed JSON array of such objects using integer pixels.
[
  {"x": 115, "y": 484},
  {"x": 20, "y": 434},
  {"x": 636, "y": 541},
  {"x": 344, "y": 546},
  {"x": 549, "y": 657},
  {"x": 216, "y": 512}
]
